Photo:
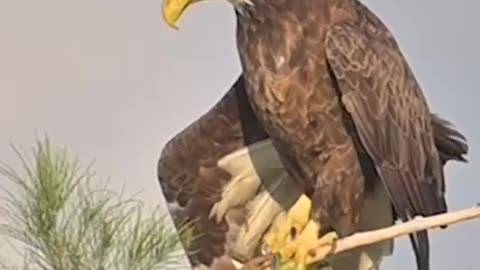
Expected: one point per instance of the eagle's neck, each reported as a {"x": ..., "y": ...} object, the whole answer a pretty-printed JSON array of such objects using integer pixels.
[{"x": 258, "y": 11}]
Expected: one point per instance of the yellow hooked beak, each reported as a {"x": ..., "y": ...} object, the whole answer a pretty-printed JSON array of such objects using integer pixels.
[{"x": 173, "y": 9}]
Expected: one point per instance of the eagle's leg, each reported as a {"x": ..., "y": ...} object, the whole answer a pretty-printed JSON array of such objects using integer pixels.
[
  {"x": 296, "y": 219},
  {"x": 307, "y": 245}
]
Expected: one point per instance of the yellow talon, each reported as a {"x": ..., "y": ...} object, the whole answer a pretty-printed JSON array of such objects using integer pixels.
[
  {"x": 276, "y": 237},
  {"x": 307, "y": 245},
  {"x": 326, "y": 244},
  {"x": 297, "y": 217},
  {"x": 299, "y": 213}
]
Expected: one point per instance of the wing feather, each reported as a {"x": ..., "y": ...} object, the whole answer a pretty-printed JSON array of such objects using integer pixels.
[
  {"x": 190, "y": 178},
  {"x": 393, "y": 122}
]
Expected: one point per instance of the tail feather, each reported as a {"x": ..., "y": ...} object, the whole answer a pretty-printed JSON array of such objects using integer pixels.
[
  {"x": 451, "y": 144},
  {"x": 421, "y": 247}
]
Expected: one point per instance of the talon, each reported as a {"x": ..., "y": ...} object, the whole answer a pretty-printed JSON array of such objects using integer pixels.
[
  {"x": 278, "y": 234},
  {"x": 326, "y": 245},
  {"x": 308, "y": 245},
  {"x": 296, "y": 219}
]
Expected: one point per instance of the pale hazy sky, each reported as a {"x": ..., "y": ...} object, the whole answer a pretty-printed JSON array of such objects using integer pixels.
[{"x": 109, "y": 80}]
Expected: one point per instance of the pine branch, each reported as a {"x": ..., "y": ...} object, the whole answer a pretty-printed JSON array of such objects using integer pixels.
[{"x": 66, "y": 220}]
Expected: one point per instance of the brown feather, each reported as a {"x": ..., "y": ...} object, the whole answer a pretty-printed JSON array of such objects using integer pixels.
[
  {"x": 329, "y": 84},
  {"x": 189, "y": 177}
]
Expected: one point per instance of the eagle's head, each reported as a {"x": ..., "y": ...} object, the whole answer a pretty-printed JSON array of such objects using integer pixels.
[{"x": 173, "y": 9}]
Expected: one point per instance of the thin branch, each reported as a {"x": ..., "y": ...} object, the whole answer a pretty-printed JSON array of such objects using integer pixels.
[{"x": 418, "y": 224}]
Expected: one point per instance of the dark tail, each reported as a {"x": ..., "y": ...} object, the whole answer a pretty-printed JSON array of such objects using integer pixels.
[
  {"x": 451, "y": 144},
  {"x": 421, "y": 247}
]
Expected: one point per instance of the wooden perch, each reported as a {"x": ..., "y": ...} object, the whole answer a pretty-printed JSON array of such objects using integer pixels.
[{"x": 417, "y": 224}]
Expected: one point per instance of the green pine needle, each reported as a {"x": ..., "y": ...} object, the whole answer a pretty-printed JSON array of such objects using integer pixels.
[{"x": 66, "y": 224}]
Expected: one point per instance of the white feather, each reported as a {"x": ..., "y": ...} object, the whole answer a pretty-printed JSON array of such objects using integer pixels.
[
  {"x": 262, "y": 212},
  {"x": 245, "y": 180}
]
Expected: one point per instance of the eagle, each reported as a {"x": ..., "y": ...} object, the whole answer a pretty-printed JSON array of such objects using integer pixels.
[
  {"x": 204, "y": 169},
  {"x": 329, "y": 84},
  {"x": 343, "y": 109}
]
